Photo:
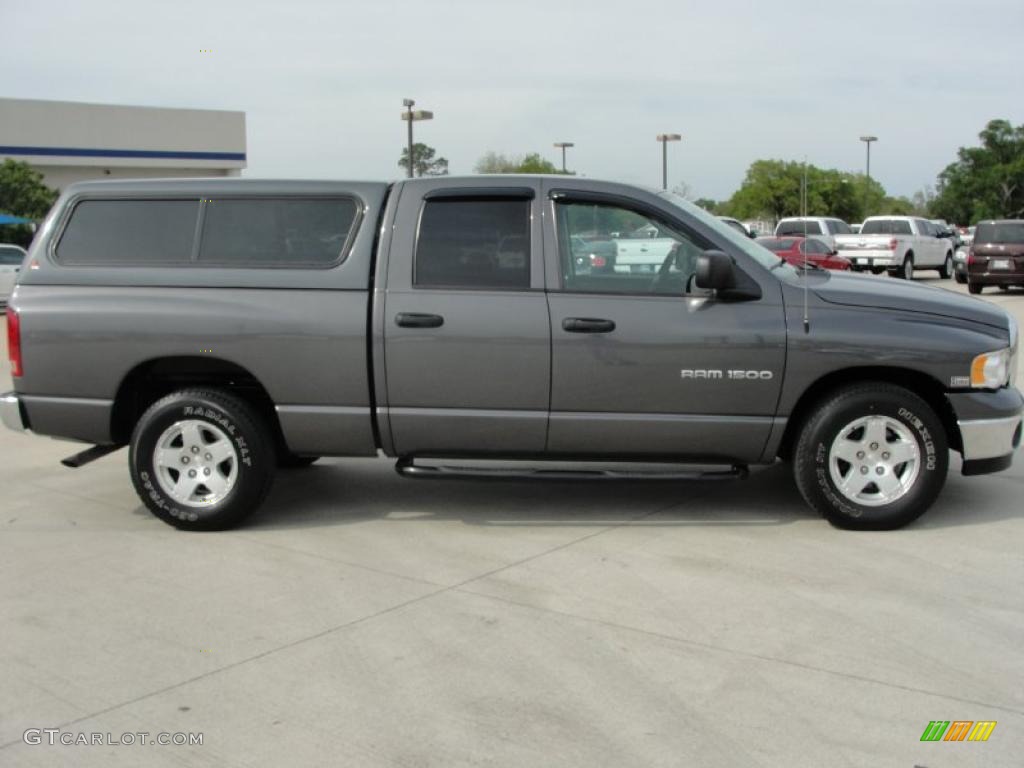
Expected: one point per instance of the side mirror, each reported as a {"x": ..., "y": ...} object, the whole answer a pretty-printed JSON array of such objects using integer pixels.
[{"x": 714, "y": 271}]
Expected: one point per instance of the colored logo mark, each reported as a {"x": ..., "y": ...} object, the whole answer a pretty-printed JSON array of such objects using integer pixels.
[{"x": 958, "y": 730}]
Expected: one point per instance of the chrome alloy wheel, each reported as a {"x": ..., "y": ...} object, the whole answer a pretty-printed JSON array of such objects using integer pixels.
[
  {"x": 874, "y": 460},
  {"x": 908, "y": 269},
  {"x": 196, "y": 463}
]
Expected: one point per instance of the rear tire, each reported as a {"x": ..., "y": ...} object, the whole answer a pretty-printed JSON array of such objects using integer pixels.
[
  {"x": 946, "y": 270},
  {"x": 871, "y": 456},
  {"x": 961, "y": 279},
  {"x": 201, "y": 459},
  {"x": 974, "y": 288},
  {"x": 906, "y": 270}
]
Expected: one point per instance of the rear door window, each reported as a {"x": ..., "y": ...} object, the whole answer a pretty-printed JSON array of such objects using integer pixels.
[
  {"x": 467, "y": 243},
  {"x": 279, "y": 232},
  {"x": 129, "y": 232},
  {"x": 798, "y": 228},
  {"x": 1003, "y": 233}
]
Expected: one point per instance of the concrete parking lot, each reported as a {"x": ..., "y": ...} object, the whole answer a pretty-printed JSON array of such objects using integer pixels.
[{"x": 366, "y": 620}]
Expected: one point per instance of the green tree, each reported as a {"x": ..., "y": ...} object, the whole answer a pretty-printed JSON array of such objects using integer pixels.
[
  {"x": 985, "y": 182},
  {"x": 425, "y": 163},
  {"x": 496, "y": 162},
  {"x": 772, "y": 188},
  {"x": 709, "y": 205},
  {"x": 22, "y": 193}
]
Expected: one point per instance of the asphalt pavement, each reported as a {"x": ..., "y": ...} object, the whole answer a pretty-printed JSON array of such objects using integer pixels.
[{"x": 364, "y": 620}]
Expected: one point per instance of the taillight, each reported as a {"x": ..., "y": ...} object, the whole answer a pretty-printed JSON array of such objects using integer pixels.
[
  {"x": 892, "y": 244},
  {"x": 14, "y": 341},
  {"x": 598, "y": 261}
]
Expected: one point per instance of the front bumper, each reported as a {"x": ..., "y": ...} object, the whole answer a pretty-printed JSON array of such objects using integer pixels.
[
  {"x": 10, "y": 412},
  {"x": 990, "y": 428}
]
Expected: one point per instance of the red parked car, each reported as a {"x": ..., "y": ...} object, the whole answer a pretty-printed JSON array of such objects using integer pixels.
[{"x": 798, "y": 250}]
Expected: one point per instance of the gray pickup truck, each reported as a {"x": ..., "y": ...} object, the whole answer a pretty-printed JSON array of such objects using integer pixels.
[{"x": 224, "y": 328}]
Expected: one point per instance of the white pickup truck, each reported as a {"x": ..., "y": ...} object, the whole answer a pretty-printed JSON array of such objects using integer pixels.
[
  {"x": 643, "y": 250},
  {"x": 899, "y": 244}
]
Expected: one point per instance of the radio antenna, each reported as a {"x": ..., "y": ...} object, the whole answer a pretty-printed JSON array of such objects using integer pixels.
[{"x": 803, "y": 245}]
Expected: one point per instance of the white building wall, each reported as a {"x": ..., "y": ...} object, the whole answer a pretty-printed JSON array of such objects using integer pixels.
[{"x": 71, "y": 141}]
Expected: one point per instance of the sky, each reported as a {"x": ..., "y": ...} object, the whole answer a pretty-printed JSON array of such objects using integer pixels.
[{"x": 322, "y": 83}]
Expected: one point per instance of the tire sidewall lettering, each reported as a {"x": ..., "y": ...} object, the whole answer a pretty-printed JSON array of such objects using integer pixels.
[{"x": 203, "y": 413}]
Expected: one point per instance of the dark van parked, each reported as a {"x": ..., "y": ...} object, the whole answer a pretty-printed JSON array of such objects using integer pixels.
[
  {"x": 997, "y": 255},
  {"x": 223, "y": 328}
]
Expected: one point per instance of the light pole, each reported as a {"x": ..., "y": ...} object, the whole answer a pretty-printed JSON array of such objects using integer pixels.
[
  {"x": 563, "y": 145},
  {"x": 867, "y": 176},
  {"x": 665, "y": 138},
  {"x": 412, "y": 116}
]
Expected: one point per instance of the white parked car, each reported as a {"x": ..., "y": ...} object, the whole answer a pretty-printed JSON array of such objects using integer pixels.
[
  {"x": 899, "y": 244},
  {"x": 11, "y": 257},
  {"x": 820, "y": 227}
]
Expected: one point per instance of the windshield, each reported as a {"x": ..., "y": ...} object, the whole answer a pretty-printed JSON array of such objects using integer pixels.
[
  {"x": 798, "y": 227},
  {"x": 758, "y": 253},
  {"x": 1002, "y": 233},
  {"x": 886, "y": 227}
]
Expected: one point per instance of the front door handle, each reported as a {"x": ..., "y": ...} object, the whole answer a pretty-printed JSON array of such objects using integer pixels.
[
  {"x": 418, "y": 320},
  {"x": 587, "y": 325}
]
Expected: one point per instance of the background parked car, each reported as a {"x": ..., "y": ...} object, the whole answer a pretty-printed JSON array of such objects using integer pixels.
[
  {"x": 855, "y": 229},
  {"x": 593, "y": 255},
  {"x": 899, "y": 244},
  {"x": 966, "y": 235},
  {"x": 997, "y": 255},
  {"x": 946, "y": 230},
  {"x": 11, "y": 257},
  {"x": 960, "y": 264},
  {"x": 821, "y": 227},
  {"x": 797, "y": 250}
]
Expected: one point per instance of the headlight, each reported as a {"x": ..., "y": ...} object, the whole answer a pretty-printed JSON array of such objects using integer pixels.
[{"x": 991, "y": 370}]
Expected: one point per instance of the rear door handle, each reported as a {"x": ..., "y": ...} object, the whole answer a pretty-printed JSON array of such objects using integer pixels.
[
  {"x": 587, "y": 325},
  {"x": 418, "y": 320}
]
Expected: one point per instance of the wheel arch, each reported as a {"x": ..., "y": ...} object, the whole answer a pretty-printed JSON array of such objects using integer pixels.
[
  {"x": 923, "y": 385},
  {"x": 152, "y": 379}
]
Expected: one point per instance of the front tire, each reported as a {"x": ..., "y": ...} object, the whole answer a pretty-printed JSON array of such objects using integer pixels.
[
  {"x": 961, "y": 279},
  {"x": 871, "y": 457},
  {"x": 201, "y": 459},
  {"x": 974, "y": 288}
]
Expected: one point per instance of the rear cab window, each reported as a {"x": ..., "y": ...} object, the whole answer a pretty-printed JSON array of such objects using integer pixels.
[
  {"x": 886, "y": 227},
  {"x": 1000, "y": 233},
  {"x": 798, "y": 228}
]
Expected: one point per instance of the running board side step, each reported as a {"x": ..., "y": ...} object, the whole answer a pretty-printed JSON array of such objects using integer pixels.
[
  {"x": 407, "y": 467},
  {"x": 89, "y": 454}
]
